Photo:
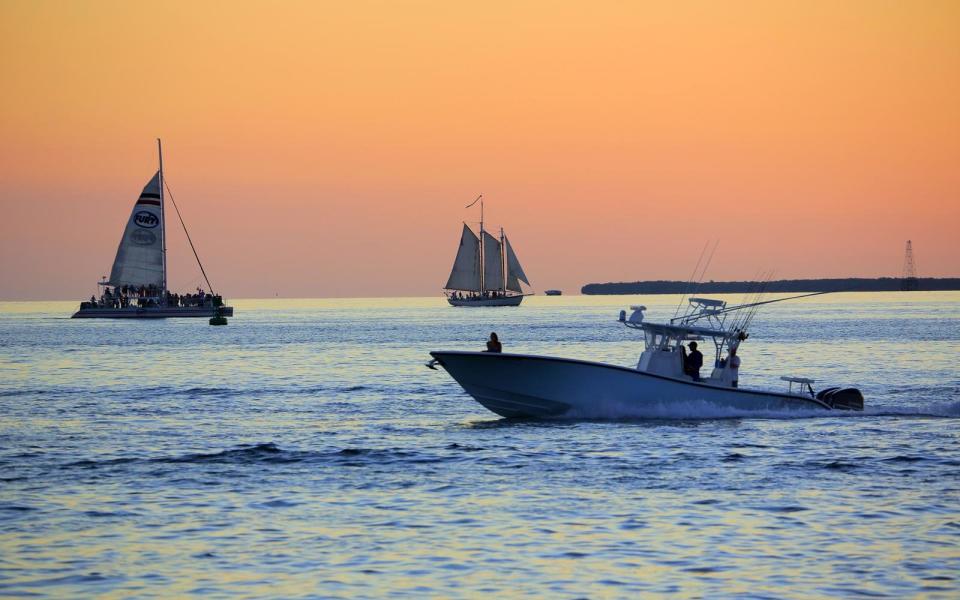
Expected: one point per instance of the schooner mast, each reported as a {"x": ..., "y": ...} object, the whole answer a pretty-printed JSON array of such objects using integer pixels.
[{"x": 491, "y": 257}]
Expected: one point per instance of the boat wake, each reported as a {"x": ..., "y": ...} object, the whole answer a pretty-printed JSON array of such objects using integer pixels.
[
  {"x": 701, "y": 410},
  {"x": 940, "y": 409}
]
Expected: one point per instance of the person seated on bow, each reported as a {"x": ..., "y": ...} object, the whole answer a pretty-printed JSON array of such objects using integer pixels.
[{"x": 493, "y": 344}]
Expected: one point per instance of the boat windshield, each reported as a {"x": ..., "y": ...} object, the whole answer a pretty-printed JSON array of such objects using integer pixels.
[{"x": 666, "y": 340}]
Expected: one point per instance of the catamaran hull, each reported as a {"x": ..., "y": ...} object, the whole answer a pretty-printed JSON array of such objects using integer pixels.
[
  {"x": 524, "y": 386},
  {"x": 133, "y": 312},
  {"x": 502, "y": 301}
]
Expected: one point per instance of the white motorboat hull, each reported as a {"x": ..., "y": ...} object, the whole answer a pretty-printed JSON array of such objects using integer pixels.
[
  {"x": 501, "y": 301},
  {"x": 518, "y": 386},
  {"x": 154, "y": 312}
]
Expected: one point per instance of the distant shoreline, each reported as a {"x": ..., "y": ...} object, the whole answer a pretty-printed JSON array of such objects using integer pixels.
[{"x": 878, "y": 284}]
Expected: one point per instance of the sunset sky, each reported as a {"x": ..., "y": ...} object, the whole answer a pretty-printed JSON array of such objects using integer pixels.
[{"x": 329, "y": 149}]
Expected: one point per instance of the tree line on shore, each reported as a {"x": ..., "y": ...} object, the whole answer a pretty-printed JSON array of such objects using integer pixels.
[{"x": 853, "y": 284}]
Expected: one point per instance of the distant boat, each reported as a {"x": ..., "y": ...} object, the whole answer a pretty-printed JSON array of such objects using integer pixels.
[
  {"x": 137, "y": 287},
  {"x": 486, "y": 271},
  {"x": 553, "y": 292}
]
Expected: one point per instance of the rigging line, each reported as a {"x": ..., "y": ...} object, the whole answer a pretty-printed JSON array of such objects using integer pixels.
[
  {"x": 474, "y": 202},
  {"x": 686, "y": 289},
  {"x": 184, "y": 225}
]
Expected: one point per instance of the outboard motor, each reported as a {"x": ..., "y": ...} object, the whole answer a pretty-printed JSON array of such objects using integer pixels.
[{"x": 841, "y": 398}]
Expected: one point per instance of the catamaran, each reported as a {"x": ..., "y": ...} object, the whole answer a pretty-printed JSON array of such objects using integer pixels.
[
  {"x": 661, "y": 384},
  {"x": 486, "y": 271},
  {"x": 137, "y": 287}
]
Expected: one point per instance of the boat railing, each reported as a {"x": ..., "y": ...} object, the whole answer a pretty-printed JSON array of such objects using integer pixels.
[
  {"x": 124, "y": 302},
  {"x": 800, "y": 381}
]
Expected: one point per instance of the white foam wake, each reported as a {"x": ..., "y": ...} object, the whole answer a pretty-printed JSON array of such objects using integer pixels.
[{"x": 699, "y": 409}]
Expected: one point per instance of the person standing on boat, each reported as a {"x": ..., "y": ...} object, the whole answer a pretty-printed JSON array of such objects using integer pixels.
[
  {"x": 493, "y": 344},
  {"x": 733, "y": 363},
  {"x": 693, "y": 361}
]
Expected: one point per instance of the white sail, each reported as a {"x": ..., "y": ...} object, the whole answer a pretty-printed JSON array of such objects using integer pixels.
[
  {"x": 492, "y": 263},
  {"x": 139, "y": 258},
  {"x": 515, "y": 272},
  {"x": 466, "y": 268}
]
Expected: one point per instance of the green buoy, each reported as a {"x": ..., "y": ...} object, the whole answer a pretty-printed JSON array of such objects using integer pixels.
[{"x": 218, "y": 318}]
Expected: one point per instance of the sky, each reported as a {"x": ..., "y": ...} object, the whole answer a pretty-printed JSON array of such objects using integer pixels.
[{"x": 323, "y": 149}]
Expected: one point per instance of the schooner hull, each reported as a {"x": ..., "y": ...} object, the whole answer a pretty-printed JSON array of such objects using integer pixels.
[
  {"x": 133, "y": 312},
  {"x": 502, "y": 301},
  {"x": 524, "y": 386}
]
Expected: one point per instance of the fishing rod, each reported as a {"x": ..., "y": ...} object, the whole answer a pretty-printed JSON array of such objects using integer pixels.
[
  {"x": 754, "y": 304},
  {"x": 696, "y": 269}
]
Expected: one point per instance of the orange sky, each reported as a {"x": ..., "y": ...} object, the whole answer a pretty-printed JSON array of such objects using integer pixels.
[{"x": 328, "y": 149}]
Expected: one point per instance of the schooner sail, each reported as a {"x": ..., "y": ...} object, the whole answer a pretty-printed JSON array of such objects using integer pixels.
[
  {"x": 515, "y": 272},
  {"x": 486, "y": 271},
  {"x": 492, "y": 263},
  {"x": 137, "y": 287},
  {"x": 466, "y": 268}
]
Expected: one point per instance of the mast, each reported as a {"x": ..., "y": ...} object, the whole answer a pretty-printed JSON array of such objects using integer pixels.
[
  {"x": 503, "y": 263},
  {"x": 482, "y": 261},
  {"x": 163, "y": 224}
]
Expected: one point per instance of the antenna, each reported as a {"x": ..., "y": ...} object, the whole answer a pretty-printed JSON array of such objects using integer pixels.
[{"x": 909, "y": 282}]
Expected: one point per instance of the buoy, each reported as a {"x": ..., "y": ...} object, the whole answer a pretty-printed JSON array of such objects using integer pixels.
[{"x": 218, "y": 318}]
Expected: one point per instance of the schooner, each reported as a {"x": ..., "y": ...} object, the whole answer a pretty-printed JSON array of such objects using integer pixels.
[
  {"x": 137, "y": 287},
  {"x": 486, "y": 271}
]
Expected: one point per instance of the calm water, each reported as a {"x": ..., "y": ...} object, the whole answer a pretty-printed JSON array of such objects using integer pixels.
[{"x": 304, "y": 450}]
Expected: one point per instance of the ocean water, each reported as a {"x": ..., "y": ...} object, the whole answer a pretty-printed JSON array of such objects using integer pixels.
[{"x": 305, "y": 451}]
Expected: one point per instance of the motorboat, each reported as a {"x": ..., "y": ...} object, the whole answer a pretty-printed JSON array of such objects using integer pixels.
[
  {"x": 486, "y": 271},
  {"x": 554, "y": 292},
  {"x": 660, "y": 384},
  {"x": 137, "y": 286}
]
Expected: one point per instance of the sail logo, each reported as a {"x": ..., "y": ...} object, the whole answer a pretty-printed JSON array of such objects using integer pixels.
[
  {"x": 146, "y": 219},
  {"x": 142, "y": 237}
]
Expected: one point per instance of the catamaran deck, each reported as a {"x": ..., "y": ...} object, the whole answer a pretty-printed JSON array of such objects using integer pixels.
[{"x": 153, "y": 312}]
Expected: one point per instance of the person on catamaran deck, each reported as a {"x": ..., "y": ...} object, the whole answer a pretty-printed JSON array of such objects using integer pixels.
[
  {"x": 692, "y": 362},
  {"x": 493, "y": 344}
]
